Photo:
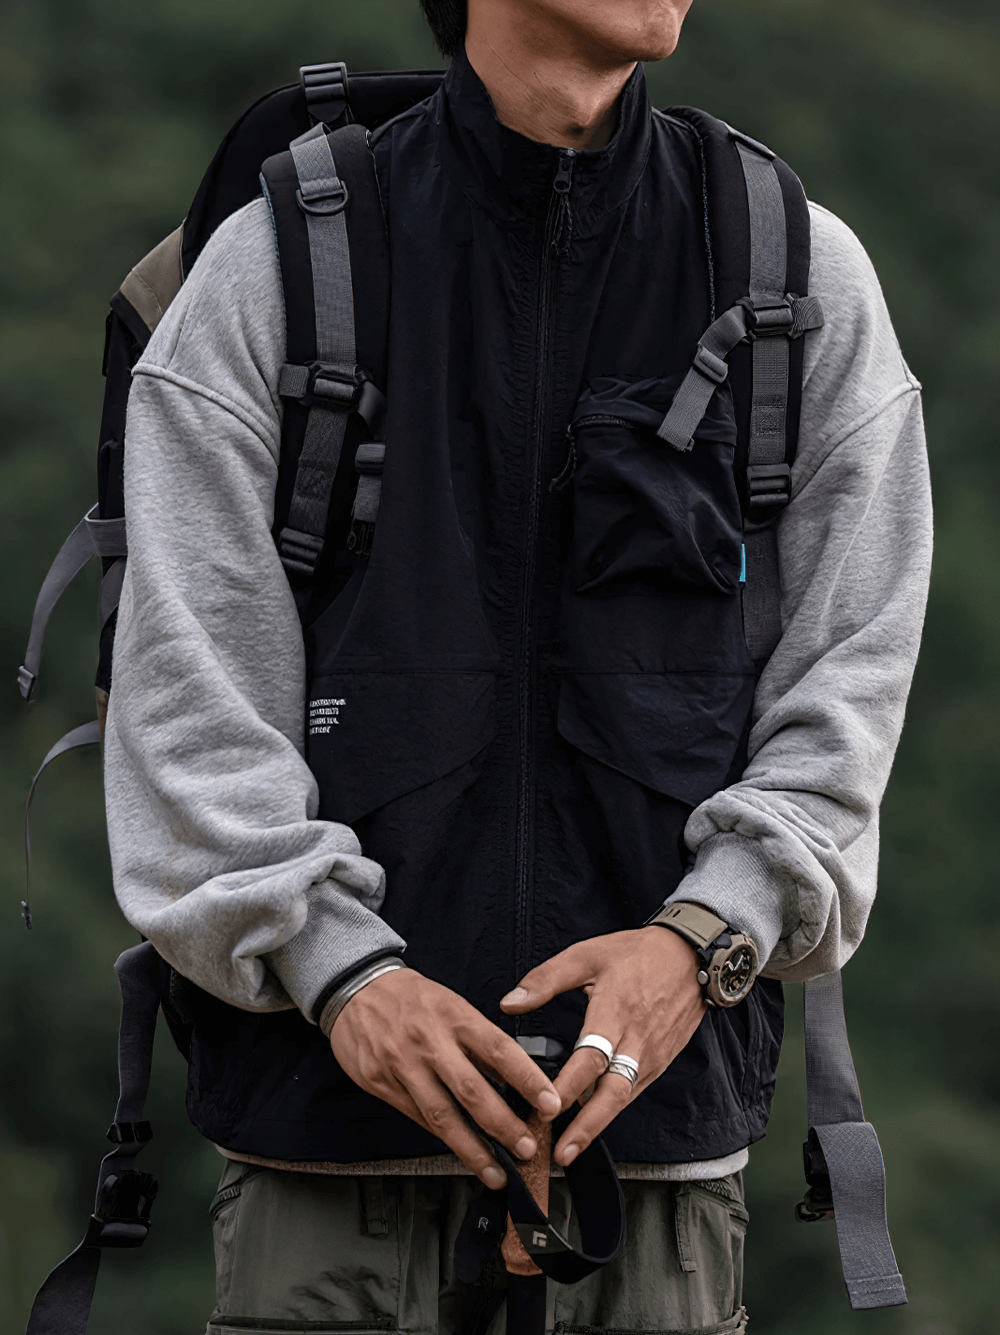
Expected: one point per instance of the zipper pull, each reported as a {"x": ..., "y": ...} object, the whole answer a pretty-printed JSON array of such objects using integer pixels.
[{"x": 563, "y": 183}]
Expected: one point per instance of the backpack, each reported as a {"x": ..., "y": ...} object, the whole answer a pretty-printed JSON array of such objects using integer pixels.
[{"x": 307, "y": 145}]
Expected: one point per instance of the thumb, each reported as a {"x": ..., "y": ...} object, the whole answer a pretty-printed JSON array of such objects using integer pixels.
[{"x": 573, "y": 967}]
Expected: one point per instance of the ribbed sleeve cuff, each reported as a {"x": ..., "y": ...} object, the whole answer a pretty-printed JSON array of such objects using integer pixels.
[
  {"x": 732, "y": 877},
  {"x": 339, "y": 935}
]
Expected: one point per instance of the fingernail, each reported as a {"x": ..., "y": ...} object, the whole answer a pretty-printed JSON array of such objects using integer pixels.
[
  {"x": 569, "y": 1154},
  {"x": 494, "y": 1178},
  {"x": 549, "y": 1102},
  {"x": 511, "y": 999},
  {"x": 525, "y": 1148}
]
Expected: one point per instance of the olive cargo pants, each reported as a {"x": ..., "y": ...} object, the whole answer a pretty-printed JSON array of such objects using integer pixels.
[{"x": 300, "y": 1252}]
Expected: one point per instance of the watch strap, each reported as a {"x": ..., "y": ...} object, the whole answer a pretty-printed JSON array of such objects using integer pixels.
[{"x": 698, "y": 925}]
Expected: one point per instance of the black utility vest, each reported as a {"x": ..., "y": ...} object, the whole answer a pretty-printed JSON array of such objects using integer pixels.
[{"x": 541, "y": 668}]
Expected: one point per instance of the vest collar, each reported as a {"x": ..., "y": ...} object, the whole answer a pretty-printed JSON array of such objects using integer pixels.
[{"x": 511, "y": 176}]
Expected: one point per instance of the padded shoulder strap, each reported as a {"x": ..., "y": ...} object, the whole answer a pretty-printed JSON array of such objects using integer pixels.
[
  {"x": 333, "y": 254},
  {"x": 759, "y": 249}
]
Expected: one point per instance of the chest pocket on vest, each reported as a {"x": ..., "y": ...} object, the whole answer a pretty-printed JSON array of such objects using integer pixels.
[
  {"x": 654, "y": 678},
  {"x": 644, "y": 515}
]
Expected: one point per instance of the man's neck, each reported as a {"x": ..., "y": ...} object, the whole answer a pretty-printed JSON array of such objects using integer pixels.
[{"x": 541, "y": 84}]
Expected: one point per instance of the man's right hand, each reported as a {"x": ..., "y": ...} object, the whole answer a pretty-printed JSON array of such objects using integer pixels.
[{"x": 420, "y": 1047}]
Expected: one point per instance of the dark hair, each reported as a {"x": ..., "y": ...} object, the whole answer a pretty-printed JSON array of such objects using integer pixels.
[{"x": 447, "y": 19}]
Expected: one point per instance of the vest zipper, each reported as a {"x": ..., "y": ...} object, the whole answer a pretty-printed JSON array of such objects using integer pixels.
[{"x": 558, "y": 231}]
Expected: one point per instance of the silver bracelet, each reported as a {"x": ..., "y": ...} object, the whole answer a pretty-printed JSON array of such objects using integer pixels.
[{"x": 352, "y": 987}]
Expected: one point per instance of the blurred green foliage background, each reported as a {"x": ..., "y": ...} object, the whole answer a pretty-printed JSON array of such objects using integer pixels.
[{"x": 888, "y": 109}]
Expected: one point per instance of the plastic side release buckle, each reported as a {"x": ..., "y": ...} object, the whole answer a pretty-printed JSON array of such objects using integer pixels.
[
  {"x": 769, "y": 484},
  {"x": 326, "y": 90},
  {"x": 818, "y": 1202},
  {"x": 121, "y": 1217},
  {"x": 320, "y": 384}
]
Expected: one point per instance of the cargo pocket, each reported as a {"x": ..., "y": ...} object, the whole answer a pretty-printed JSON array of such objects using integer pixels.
[
  {"x": 676, "y": 732},
  {"x": 646, "y": 516},
  {"x": 376, "y": 736},
  {"x": 224, "y": 1215}
]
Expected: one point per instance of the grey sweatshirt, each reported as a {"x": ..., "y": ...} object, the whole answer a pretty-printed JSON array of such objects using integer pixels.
[{"x": 218, "y": 856}]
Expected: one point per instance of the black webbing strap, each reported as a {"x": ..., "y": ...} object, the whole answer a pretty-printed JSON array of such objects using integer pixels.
[
  {"x": 124, "y": 1195},
  {"x": 597, "y": 1203},
  {"x": 843, "y": 1160},
  {"x": 93, "y": 536}
]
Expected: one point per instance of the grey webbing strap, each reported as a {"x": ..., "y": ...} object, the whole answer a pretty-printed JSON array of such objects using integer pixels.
[
  {"x": 107, "y": 535},
  {"x": 767, "y": 474},
  {"x": 761, "y": 593},
  {"x": 111, "y": 591},
  {"x": 768, "y": 262},
  {"x": 850, "y": 1149},
  {"x": 708, "y": 371},
  {"x": 369, "y": 462},
  {"x": 87, "y": 734},
  {"x": 91, "y": 537},
  {"x": 321, "y": 196}
]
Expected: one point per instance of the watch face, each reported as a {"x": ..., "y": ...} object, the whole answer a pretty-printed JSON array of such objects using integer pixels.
[{"x": 737, "y": 972}]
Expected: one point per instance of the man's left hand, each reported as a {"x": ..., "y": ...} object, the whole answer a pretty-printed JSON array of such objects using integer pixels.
[{"x": 644, "y": 998}]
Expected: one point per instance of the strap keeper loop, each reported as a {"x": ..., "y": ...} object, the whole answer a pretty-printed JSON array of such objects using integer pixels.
[
  {"x": 123, "y": 1133},
  {"x": 299, "y": 552}
]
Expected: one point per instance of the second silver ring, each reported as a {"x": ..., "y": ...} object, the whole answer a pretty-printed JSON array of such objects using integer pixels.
[{"x": 627, "y": 1067}]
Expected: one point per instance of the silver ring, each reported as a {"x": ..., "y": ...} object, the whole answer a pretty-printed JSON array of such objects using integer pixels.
[
  {"x": 599, "y": 1044},
  {"x": 625, "y": 1067}
]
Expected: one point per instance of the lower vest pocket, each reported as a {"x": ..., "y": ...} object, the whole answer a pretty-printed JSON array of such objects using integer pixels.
[
  {"x": 374, "y": 736},
  {"x": 676, "y": 732}
]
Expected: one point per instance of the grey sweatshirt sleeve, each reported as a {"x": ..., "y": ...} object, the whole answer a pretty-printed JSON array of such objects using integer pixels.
[
  {"x": 790, "y": 852},
  {"x": 217, "y": 854}
]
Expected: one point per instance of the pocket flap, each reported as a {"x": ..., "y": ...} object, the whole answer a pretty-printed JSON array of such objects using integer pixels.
[
  {"x": 675, "y": 732},
  {"x": 375, "y": 736}
]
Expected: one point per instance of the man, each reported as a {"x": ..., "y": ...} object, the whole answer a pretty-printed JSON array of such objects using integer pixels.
[{"x": 534, "y": 761}]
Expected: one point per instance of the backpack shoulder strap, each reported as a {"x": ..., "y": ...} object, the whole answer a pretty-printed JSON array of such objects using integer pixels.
[
  {"x": 758, "y": 235},
  {"x": 757, "y": 224},
  {"x": 334, "y": 259}
]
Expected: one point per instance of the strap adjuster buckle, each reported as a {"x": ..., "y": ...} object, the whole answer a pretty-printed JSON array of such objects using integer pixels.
[
  {"x": 370, "y": 458},
  {"x": 326, "y": 90},
  {"x": 710, "y": 366},
  {"x": 769, "y": 484},
  {"x": 768, "y": 321}
]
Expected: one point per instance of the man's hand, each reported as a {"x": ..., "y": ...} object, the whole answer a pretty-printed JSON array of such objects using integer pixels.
[
  {"x": 644, "y": 998},
  {"x": 421, "y": 1048}
]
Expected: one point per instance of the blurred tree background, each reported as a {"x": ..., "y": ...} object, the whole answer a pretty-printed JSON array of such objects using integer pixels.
[{"x": 888, "y": 109}]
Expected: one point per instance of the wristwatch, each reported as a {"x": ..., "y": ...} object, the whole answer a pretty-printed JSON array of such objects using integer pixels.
[{"x": 728, "y": 959}]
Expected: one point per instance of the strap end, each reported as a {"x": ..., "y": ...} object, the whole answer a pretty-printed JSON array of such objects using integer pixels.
[{"x": 26, "y": 680}]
